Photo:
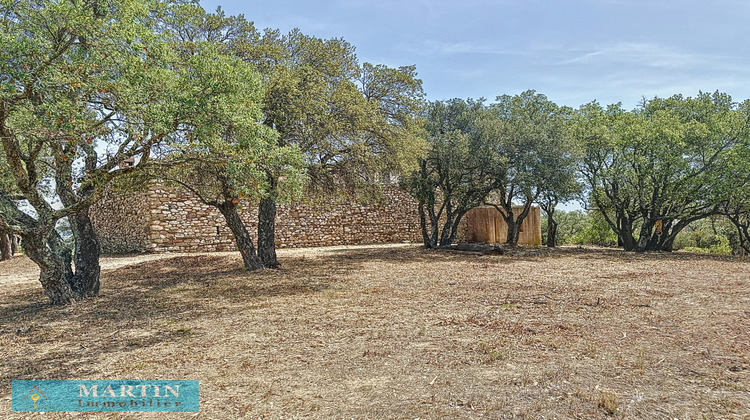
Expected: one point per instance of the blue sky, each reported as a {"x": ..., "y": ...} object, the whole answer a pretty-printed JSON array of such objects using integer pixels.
[{"x": 573, "y": 51}]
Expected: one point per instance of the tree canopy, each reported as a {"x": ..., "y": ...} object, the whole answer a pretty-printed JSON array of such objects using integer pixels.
[
  {"x": 653, "y": 171},
  {"x": 84, "y": 86}
]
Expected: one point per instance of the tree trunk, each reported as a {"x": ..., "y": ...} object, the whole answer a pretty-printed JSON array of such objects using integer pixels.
[
  {"x": 86, "y": 280},
  {"x": 551, "y": 226},
  {"x": 55, "y": 272},
  {"x": 6, "y": 251},
  {"x": 434, "y": 230},
  {"x": 456, "y": 224},
  {"x": 644, "y": 237},
  {"x": 423, "y": 225},
  {"x": 13, "y": 244},
  {"x": 625, "y": 235},
  {"x": 445, "y": 234},
  {"x": 241, "y": 236},
  {"x": 512, "y": 238},
  {"x": 514, "y": 223},
  {"x": 551, "y": 232},
  {"x": 267, "y": 232},
  {"x": 743, "y": 232},
  {"x": 670, "y": 232}
]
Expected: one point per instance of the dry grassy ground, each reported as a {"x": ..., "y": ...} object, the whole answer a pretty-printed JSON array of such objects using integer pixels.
[{"x": 400, "y": 332}]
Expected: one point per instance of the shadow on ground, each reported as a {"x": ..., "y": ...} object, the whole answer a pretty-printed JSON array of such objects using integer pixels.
[{"x": 140, "y": 303}]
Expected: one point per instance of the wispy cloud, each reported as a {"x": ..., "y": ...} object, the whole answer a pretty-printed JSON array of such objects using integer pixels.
[
  {"x": 458, "y": 48},
  {"x": 642, "y": 54}
]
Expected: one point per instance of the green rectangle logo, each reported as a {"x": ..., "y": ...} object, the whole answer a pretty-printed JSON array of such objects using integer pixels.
[{"x": 124, "y": 395}]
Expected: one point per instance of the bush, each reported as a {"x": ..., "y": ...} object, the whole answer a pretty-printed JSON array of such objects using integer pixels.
[
  {"x": 580, "y": 228},
  {"x": 597, "y": 232},
  {"x": 569, "y": 224},
  {"x": 710, "y": 236}
]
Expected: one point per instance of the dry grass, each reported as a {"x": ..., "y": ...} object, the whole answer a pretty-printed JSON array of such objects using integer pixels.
[{"x": 385, "y": 332}]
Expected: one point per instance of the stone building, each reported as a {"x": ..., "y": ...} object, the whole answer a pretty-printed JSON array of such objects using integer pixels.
[{"x": 166, "y": 219}]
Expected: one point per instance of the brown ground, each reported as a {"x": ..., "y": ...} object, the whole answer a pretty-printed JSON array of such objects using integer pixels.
[{"x": 400, "y": 332}]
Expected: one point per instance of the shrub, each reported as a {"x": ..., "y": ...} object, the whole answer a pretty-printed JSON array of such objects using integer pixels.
[{"x": 597, "y": 232}]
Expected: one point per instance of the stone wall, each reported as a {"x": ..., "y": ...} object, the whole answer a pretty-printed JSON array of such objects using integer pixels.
[
  {"x": 167, "y": 219},
  {"x": 122, "y": 221},
  {"x": 176, "y": 221}
]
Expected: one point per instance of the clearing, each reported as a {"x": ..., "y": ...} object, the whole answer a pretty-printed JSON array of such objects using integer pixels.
[{"x": 401, "y": 332}]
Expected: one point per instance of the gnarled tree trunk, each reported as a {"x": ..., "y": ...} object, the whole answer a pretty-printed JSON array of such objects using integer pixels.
[
  {"x": 6, "y": 251},
  {"x": 267, "y": 232},
  {"x": 242, "y": 238},
  {"x": 86, "y": 280},
  {"x": 551, "y": 231},
  {"x": 55, "y": 271},
  {"x": 513, "y": 222}
]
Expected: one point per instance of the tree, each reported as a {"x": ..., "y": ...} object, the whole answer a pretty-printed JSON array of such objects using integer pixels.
[
  {"x": 346, "y": 133},
  {"x": 453, "y": 177},
  {"x": 596, "y": 130},
  {"x": 663, "y": 166},
  {"x": 351, "y": 123},
  {"x": 6, "y": 250},
  {"x": 740, "y": 218},
  {"x": 559, "y": 176},
  {"x": 527, "y": 137},
  {"x": 567, "y": 189},
  {"x": 736, "y": 204},
  {"x": 227, "y": 152},
  {"x": 85, "y": 85}
]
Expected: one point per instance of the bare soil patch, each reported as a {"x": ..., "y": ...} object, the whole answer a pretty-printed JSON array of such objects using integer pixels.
[{"x": 401, "y": 332}]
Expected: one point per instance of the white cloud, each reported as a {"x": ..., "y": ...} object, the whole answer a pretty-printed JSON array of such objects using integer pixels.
[
  {"x": 457, "y": 48},
  {"x": 644, "y": 54}
]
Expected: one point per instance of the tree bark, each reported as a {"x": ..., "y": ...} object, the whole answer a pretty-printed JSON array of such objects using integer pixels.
[
  {"x": 267, "y": 232},
  {"x": 13, "y": 244},
  {"x": 513, "y": 222},
  {"x": 55, "y": 271},
  {"x": 426, "y": 238},
  {"x": 241, "y": 236},
  {"x": 551, "y": 231},
  {"x": 456, "y": 224},
  {"x": 6, "y": 251},
  {"x": 445, "y": 234},
  {"x": 743, "y": 232},
  {"x": 625, "y": 234},
  {"x": 511, "y": 239},
  {"x": 644, "y": 237},
  {"x": 86, "y": 280}
]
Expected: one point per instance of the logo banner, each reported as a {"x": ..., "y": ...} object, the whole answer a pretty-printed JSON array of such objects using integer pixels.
[{"x": 122, "y": 395}]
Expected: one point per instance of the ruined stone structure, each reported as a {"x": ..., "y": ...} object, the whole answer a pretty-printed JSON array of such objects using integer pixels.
[{"x": 166, "y": 219}]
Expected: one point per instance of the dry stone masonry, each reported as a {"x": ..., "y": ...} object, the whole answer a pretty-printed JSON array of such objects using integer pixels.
[
  {"x": 166, "y": 219},
  {"x": 122, "y": 221}
]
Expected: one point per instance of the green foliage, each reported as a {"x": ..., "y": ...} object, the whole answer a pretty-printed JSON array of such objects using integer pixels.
[
  {"x": 508, "y": 152},
  {"x": 345, "y": 124},
  {"x": 83, "y": 86},
  {"x": 712, "y": 235},
  {"x": 454, "y": 176},
  {"x": 596, "y": 232},
  {"x": 351, "y": 122},
  {"x": 78, "y": 78},
  {"x": 571, "y": 224},
  {"x": 672, "y": 161},
  {"x": 528, "y": 135},
  {"x": 224, "y": 150}
]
